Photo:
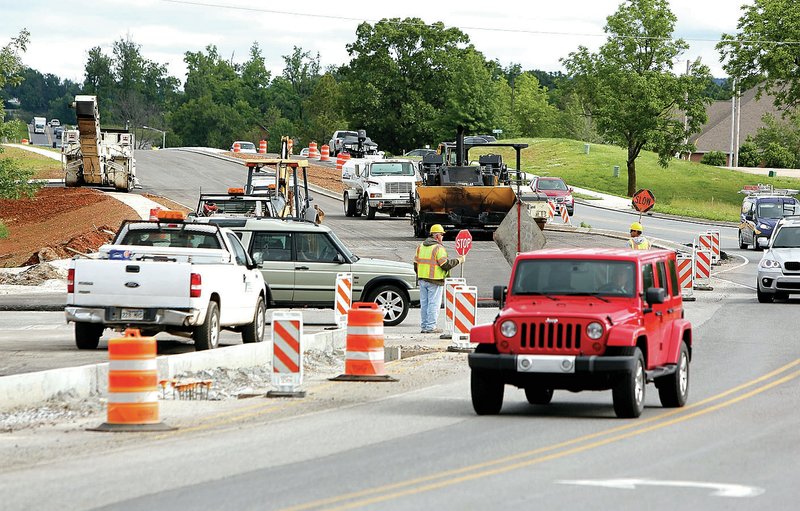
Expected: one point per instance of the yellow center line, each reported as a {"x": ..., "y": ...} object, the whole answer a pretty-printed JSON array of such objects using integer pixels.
[{"x": 630, "y": 425}]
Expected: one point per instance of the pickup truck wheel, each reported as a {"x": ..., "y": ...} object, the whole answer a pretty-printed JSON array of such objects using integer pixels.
[
  {"x": 742, "y": 244},
  {"x": 206, "y": 336},
  {"x": 371, "y": 211},
  {"x": 629, "y": 392},
  {"x": 764, "y": 297},
  {"x": 392, "y": 302},
  {"x": 87, "y": 335},
  {"x": 254, "y": 332},
  {"x": 487, "y": 392},
  {"x": 673, "y": 390},
  {"x": 538, "y": 395}
]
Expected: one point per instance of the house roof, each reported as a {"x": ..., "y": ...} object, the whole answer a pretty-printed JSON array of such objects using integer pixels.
[{"x": 715, "y": 135}]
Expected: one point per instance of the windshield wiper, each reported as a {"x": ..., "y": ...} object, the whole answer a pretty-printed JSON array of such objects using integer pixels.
[
  {"x": 595, "y": 295},
  {"x": 537, "y": 293}
]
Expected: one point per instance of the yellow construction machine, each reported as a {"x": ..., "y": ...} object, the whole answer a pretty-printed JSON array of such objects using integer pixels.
[{"x": 462, "y": 196}]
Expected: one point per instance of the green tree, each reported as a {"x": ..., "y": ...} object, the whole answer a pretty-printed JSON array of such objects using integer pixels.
[
  {"x": 470, "y": 97},
  {"x": 630, "y": 89},
  {"x": 749, "y": 155},
  {"x": 764, "y": 51},
  {"x": 715, "y": 158},
  {"x": 778, "y": 156},
  {"x": 783, "y": 132},
  {"x": 534, "y": 115},
  {"x": 324, "y": 110},
  {"x": 13, "y": 176},
  {"x": 301, "y": 73}
]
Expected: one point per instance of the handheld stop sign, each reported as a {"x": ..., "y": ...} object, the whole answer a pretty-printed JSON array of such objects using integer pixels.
[{"x": 463, "y": 242}]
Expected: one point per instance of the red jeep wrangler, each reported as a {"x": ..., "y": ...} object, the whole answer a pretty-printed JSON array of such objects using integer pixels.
[{"x": 586, "y": 319}]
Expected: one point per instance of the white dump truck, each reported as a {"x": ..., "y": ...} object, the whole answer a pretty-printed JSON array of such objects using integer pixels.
[
  {"x": 379, "y": 185},
  {"x": 94, "y": 158}
]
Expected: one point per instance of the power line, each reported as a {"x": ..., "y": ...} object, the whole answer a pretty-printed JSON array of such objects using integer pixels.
[{"x": 485, "y": 29}]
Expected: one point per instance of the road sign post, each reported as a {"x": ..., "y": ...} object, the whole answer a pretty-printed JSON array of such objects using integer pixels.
[{"x": 463, "y": 244}]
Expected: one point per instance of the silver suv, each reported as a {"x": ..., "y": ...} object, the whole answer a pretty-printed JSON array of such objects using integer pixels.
[
  {"x": 300, "y": 260},
  {"x": 779, "y": 268}
]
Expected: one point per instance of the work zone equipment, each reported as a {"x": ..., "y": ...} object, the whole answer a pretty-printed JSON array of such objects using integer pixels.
[
  {"x": 465, "y": 310},
  {"x": 715, "y": 248},
  {"x": 132, "y": 385},
  {"x": 685, "y": 267},
  {"x": 325, "y": 153},
  {"x": 449, "y": 304},
  {"x": 364, "y": 355},
  {"x": 287, "y": 354},
  {"x": 313, "y": 153},
  {"x": 341, "y": 159},
  {"x": 343, "y": 298},
  {"x": 262, "y": 147},
  {"x": 702, "y": 268}
]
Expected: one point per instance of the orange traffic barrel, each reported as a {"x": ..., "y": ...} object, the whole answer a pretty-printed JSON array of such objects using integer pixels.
[
  {"x": 364, "y": 356},
  {"x": 290, "y": 143},
  {"x": 262, "y": 147},
  {"x": 23, "y": 141},
  {"x": 237, "y": 147},
  {"x": 313, "y": 154},
  {"x": 324, "y": 153},
  {"x": 132, "y": 385},
  {"x": 341, "y": 159}
]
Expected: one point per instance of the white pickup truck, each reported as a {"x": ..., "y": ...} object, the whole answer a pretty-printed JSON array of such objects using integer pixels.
[
  {"x": 375, "y": 184},
  {"x": 187, "y": 279}
]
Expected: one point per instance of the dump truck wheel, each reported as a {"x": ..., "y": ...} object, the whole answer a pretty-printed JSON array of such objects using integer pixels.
[
  {"x": 371, "y": 212},
  {"x": 350, "y": 205}
]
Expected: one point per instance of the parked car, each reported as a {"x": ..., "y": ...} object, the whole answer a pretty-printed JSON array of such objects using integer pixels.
[
  {"x": 556, "y": 189},
  {"x": 245, "y": 147},
  {"x": 779, "y": 268},
  {"x": 304, "y": 152},
  {"x": 586, "y": 319},
  {"x": 300, "y": 261},
  {"x": 760, "y": 213}
]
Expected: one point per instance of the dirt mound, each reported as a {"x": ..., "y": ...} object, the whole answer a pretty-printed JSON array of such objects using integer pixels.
[
  {"x": 33, "y": 276},
  {"x": 84, "y": 243}
]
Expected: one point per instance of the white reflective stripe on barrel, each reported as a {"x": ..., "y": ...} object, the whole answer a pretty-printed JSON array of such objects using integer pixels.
[
  {"x": 132, "y": 397},
  {"x": 365, "y": 330},
  {"x": 365, "y": 355},
  {"x": 133, "y": 365}
]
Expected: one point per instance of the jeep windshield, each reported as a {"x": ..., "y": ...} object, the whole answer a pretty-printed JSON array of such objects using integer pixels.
[
  {"x": 392, "y": 169},
  {"x": 577, "y": 277}
]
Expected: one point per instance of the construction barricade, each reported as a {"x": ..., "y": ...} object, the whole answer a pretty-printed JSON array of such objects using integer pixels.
[
  {"x": 262, "y": 147},
  {"x": 705, "y": 241},
  {"x": 364, "y": 355},
  {"x": 287, "y": 354},
  {"x": 449, "y": 284},
  {"x": 132, "y": 385},
  {"x": 343, "y": 298},
  {"x": 565, "y": 215},
  {"x": 715, "y": 249},
  {"x": 324, "y": 153},
  {"x": 551, "y": 211},
  {"x": 237, "y": 147},
  {"x": 702, "y": 269},
  {"x": 685, "y": 269},
  {"x": 313, "y": 153},
  {"x": 465, "y": 310}
]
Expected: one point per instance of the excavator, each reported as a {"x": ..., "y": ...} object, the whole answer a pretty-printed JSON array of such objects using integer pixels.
[{"x": 458, "y": 195}]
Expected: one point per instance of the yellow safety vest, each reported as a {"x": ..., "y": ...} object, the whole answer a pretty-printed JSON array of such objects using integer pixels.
[
  {"x": 644, "y": 245},
  {"x": 428, "y": 259}
]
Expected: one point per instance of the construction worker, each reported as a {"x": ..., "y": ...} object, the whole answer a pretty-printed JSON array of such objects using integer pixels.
[
  {"x": 432, "y": 267},
  {"x": 637, "y": 241}
]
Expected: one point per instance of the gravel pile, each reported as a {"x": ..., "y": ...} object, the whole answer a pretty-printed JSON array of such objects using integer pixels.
[{"x": 34, "y": 275}]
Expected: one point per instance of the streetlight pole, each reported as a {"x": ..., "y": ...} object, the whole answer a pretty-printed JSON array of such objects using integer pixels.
[{"x": 163, "y": 135}]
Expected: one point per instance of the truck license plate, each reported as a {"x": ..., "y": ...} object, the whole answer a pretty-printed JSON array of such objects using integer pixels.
[{"x": 132, "y": 314}]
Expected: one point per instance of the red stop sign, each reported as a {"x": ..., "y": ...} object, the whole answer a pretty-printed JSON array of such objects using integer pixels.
[{"x": 463, "y": 242}]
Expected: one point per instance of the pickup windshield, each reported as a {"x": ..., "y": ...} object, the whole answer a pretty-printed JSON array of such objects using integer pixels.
[
  {"x": 174, "y": 238},
  {"x": 392, "y": 169},
  {"x": 577, "y": 277}
]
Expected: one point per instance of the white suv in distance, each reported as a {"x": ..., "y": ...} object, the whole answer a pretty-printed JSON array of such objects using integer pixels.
[
  {"x": 779, "y": 268},
  {"x": 245, "y": 147}
]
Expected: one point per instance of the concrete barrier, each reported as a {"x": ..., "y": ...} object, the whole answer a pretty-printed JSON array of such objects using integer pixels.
[{"x": 19, "y": 390}]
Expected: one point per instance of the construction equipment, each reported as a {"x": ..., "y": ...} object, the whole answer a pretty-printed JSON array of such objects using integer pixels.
[
  {"x": 97, "y": 158},
  {"x": 462, "y": 196},
  {"x": 378, "y": 185}
]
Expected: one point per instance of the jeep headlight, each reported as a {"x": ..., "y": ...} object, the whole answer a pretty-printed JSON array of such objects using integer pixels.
[
  {"x": 508, "y": 329},
  {"x": 769, "y": 263},
  {"x": 594, "y": 330}
]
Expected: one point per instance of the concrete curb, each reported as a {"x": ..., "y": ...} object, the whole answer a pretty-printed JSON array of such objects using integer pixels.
[{"x": 28, "y": 389}]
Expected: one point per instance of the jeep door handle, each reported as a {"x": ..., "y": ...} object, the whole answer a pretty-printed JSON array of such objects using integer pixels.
[
  {"x": 670, "y": 311},
  {"x": 659, "y": 313},
  {"x": 301, "y": 267}
]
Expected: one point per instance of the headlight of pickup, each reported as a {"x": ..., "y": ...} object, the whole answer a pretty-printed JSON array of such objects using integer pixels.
[
  {"x": 508, "y": 329},
  {"x": 594, "y": 330},
  {"x": 769, "y": 264}
]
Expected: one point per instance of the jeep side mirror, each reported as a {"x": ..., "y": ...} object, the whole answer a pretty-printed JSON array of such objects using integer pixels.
[
  {"x": 499, "y": 294},
  {"x": 655, "y": 295}
]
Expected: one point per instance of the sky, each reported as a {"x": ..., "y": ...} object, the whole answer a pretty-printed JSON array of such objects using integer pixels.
[{"x": 535, "y": 34}]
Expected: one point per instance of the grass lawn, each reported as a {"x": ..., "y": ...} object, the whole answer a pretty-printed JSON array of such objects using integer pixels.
[
  {"x": 43, "y": 167},
  {"x": 684, "y": 188}
]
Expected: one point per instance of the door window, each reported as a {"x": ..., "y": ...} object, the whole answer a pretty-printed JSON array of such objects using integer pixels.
[
  {"x": 673, "y": 278},
  {"x": 662, "y": 275},
  {"x": 648, "y": 279},
  {"x": 315, "y": 247},
  {"x": 238, "y": 250},
  {"x": 271, "y": 246}
]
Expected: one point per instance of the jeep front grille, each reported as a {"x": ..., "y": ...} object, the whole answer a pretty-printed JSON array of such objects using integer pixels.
[
  {"x": 398, "y": 187},
  {"x": 564, "y": 337}
]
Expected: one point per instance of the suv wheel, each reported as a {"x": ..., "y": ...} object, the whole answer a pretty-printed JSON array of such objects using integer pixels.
[
  {"x": 538, "y": 395},
  {"x": 392, "y": 302},
  {"x": 254, "y": 332},
  {"x": 673, "y": 390},
  {"x": 206, "y": 336},
  {"x": 487, "y": 392},
  {"x": 742, "y": 244},
  {"x": 87, "y": 335},
  {"x": 764, "y": 297},
  {"x": 629, "y": 392}
]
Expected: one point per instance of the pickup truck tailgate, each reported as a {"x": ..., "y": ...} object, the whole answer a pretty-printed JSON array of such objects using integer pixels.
[{"x": 132, "y": 283}]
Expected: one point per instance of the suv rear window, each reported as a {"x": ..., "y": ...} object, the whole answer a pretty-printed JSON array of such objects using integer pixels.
[{"x": 170, "y": 238}]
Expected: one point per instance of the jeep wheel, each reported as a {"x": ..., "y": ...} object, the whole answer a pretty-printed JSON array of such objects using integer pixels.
[
  {"x": 254, "y": 332},
  {"x": 206, "y": 336},
  {"x": 673, "y": 390},
  {"x": 487, "y": 392},
  {"x": 628, "y": 393},
  {"x": 392, "y": 302},
  {"x": 764, "y": 297},
  {"x": 87, "y": 335},
  {"x": 538, "y": 395},
  {"x": 742, "y": 244}
]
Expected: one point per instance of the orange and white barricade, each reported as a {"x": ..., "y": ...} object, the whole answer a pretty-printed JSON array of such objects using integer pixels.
[
  {"x": 324, "y": 153},
  {"x": 313, "y": 153},
  {"x": 450, "y": 284},
  {"x": 715, "y": 249},
  {"x": 237, "y": 147},
  {"x": 262, "y": 147},
  {"x": 364, "y": 355},
  {"x": 685, "y": 269},
  {"x": 551, "y": 211},
  {"x": 565, "y": 214},
  {"x": 705, "y": 241},
  {"x": 287, "y": 354},
  {"x": 343, "y": 298},
  {"x": 132, "y": 385},
  {"x": 702, "y": 269},
  {"x": 465, "y": 310}
]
